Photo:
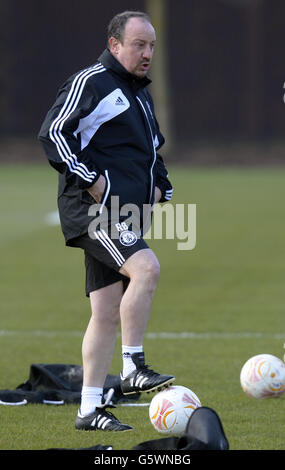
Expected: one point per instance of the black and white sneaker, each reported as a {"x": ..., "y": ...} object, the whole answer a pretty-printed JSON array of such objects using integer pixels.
[
  {"x": 101, "y": 419},
  {"x": 143, "y": 379}
]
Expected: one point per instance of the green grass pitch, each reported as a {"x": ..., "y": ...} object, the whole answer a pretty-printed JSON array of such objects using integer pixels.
[{"x": 226, "y": 295}]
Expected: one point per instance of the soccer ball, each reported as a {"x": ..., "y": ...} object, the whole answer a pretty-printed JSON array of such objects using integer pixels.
[
  {"x": 263, "y": 376},
  {"x": 170, "y": 409}
]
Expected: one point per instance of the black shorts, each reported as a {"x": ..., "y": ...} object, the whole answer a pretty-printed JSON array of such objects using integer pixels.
[{"x": 105, "y": 256}]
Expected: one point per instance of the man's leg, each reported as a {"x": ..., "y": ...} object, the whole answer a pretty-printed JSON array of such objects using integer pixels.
[
  {"x": 143, "y": 270},
  {"x": 97, "y": 351},
  {"x": 100, "y": 336}
]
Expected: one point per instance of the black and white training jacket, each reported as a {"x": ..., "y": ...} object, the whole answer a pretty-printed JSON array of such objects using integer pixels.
[{"x": 103, "y": 122}]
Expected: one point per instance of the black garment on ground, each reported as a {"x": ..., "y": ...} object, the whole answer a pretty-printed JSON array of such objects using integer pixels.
[
  {"x": 56, "y": 384},
  {"x": 204, "y": 431}
]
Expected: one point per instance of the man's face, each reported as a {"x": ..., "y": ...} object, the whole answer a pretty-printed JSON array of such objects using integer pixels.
[{"x": 136, "y": 51}]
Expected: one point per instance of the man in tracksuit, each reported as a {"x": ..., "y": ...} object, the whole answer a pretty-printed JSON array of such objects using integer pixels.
[{"x": 102, "y": 136}]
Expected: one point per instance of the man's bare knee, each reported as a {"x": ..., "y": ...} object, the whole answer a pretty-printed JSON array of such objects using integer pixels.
[{"x": 142, "y": 265}]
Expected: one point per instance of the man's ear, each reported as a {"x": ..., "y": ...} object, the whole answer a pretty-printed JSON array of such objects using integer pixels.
[{"x": 114, "y": 45}]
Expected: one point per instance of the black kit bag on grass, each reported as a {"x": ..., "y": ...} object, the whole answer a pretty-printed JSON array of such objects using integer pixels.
[
  {"x": 204, "y": 431},
  {"x": 57, "y": 384}
]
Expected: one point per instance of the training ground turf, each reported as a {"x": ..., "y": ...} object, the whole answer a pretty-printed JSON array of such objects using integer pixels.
[{"x": 215, "y": 306}]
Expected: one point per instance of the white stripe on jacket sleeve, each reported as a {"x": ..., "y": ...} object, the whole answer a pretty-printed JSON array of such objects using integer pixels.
[{"x": 55, "y": 131}]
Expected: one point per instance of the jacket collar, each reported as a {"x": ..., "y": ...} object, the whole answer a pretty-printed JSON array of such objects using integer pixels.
[{"x": 110, "y": 63}]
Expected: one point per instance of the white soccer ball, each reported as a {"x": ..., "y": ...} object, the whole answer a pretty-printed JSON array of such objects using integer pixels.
[
  {"x": 263, "y": 376},
  {"x": 170, "y": 410}
]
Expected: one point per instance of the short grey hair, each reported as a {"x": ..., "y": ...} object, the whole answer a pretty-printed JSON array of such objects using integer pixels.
[{"x": 116, "y": 27}]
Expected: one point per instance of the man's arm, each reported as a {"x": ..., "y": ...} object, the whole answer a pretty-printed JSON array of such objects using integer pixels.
[
  {"x": 97, "y": 189},
  {"x": 162, "y": 181},
  {"x": 157, "y": 195},
  {"x": 60, "y": 129}
]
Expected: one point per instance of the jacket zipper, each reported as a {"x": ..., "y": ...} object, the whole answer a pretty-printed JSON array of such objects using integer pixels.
[{"x": 153, "y": 147}]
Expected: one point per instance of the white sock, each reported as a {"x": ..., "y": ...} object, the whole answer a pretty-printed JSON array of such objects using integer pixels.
[
  {"x": 90, "y": 398},
  {"x": 128, "y": 365}
]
